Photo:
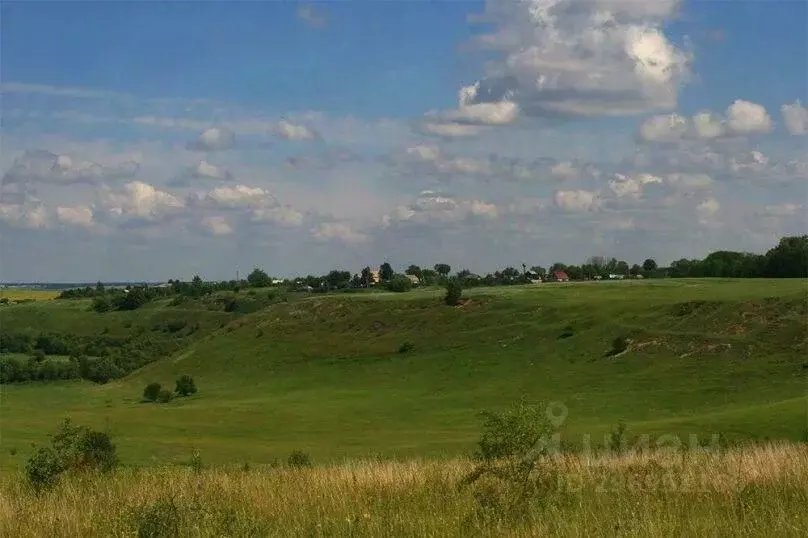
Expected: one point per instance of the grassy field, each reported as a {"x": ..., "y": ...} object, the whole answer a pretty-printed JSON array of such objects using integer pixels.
[
  {"x": 324, "y": 374},
  {"x": 27, "y": 294},
  {"x": 752, "y": 492}
]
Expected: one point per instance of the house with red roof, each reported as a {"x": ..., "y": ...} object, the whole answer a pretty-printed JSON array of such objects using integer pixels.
[{"x": 561, "y": 276}]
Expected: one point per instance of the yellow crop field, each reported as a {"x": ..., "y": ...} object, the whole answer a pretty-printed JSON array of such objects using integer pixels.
[{"x": 22, "y": 294}]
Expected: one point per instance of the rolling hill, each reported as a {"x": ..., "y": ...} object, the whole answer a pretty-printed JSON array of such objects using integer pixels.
[{"x": 401, "y": 375}]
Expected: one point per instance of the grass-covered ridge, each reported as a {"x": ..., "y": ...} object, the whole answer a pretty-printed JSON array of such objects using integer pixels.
[{"x": 330, "y": 374}]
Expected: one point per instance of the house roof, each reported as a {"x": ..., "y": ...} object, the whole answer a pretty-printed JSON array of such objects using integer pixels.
[{"x": 560, "y": 274}]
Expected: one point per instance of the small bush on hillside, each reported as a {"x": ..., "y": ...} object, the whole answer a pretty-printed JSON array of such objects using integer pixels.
[
  {"x": 174, "y": 326},
  {"x": 619, "y": 345},
  {"x": 160, "y": 519},
  {"x": 406, "y": 347},
  {"x": 151, "y": 392},
  {"x": 298, "y": 458},
  {"x": 164, "y": 396},
  {"x": 73, "y": 448},
  {"x": 454, "y": 290},
  {"x": 185, "y": 386},
  {"x": 399, "y": 284},
  {"x": 101, "y": 304}
]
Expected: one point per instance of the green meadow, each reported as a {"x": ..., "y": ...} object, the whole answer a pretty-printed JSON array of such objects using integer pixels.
[{"x": 401, "y": 376}]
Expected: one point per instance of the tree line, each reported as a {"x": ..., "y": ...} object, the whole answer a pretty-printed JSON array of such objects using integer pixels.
[{"x": 788, "y": 259}]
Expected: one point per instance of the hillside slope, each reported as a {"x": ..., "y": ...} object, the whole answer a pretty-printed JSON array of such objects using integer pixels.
[{"x": 326, "y": 374}]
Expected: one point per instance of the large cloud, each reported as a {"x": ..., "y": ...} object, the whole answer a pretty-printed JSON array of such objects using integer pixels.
[{"x": 580, "y": 57}]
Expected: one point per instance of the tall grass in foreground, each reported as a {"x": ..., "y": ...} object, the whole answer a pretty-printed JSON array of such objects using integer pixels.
[{"x": 757, "y": 491}]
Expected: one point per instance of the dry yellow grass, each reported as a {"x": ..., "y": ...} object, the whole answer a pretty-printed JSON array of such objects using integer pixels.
[
  {"x": 761, "y": 491},
  {"x": 27, "y": 295}
]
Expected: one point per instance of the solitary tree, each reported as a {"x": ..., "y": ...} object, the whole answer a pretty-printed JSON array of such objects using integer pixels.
[
  {"x": 385, "y": 272},
  {"x": 443, "y": 269},
  {"x": 649, "y": 265},
  {"x": 259, "y": 279},
  {"x": 414, "y": 270},
  {"x": 367, "y": 278}
]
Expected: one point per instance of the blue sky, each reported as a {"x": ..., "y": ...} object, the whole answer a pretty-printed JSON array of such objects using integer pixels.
[{"x": 304, "y": 136}]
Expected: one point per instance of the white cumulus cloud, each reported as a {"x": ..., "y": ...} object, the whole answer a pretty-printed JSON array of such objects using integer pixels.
[
  {"x": 213, "y": 139},
  {"x": 580, "y": 57},
  {"x": 796, "y": 118}
]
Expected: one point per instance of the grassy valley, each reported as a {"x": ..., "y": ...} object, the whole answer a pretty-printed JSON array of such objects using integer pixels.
[{"x": 403, "y": 375}]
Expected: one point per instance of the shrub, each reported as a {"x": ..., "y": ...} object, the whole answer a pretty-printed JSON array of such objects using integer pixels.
[
  {"x": 196, "y": 462},
  {"x": 185, "y": 386},
  {"x": 164, "y": 396},
  {"x": 454, "y": 290},
  {"x": 619, "y": 345},
  {"x": 151, "y": 392},
  {"x": 298, "y": 458},
  {"x": 399, "y": 284},
  {"x": 161, "y": 519},
  {"x": 101, "y": 304},
  {"x": 508, "y": 476},
  {"x": 406, "y": 347},
  {"x": 43, "y": 468},
  {"x": 73, "y": 448}
]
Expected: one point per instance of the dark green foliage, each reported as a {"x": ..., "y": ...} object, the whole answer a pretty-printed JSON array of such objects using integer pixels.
[
  {"x": 385, "y": 272},
  {"x": 43, "y": 468},
  {"x": 406, "y": 347},
  {"x": 566, "y": 333},
  {"x": 164, "y": 396},
  {"x": 298, "y": 458},
  {"x": 454, "y": 292},
  {"x": 619, "y": 345},
  {"x": 399, "y": 284},
  {"x": 101, "y": 304},
  {"x": 185, "y": 386},
  {"x": 259, "y": 279},
  {"x": 443, "y": 269},
  {"x": 151, "y": 392},
  {"x": 160, "y": 519},
  {"x": 73, "y": 448}
]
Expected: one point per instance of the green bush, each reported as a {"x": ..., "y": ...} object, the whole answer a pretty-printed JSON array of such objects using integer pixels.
[
  {"x": 151, "y": 392},
  {"x": 164, "y": 396},
  {"x": 454, "y": 290},
  {"x": 185, "y": 386},
  {"x": 101, "y": 304},
  {"x": 406, "y": 347},
  {"x": 298, "y": 458},
  {"x": 399, "y": 284},
  {"x": 43, "y": 468},
  {"x": 73, "y": 448},
  {"x": 619, "y": 345},
  {"x": 509, "y": 477}
]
